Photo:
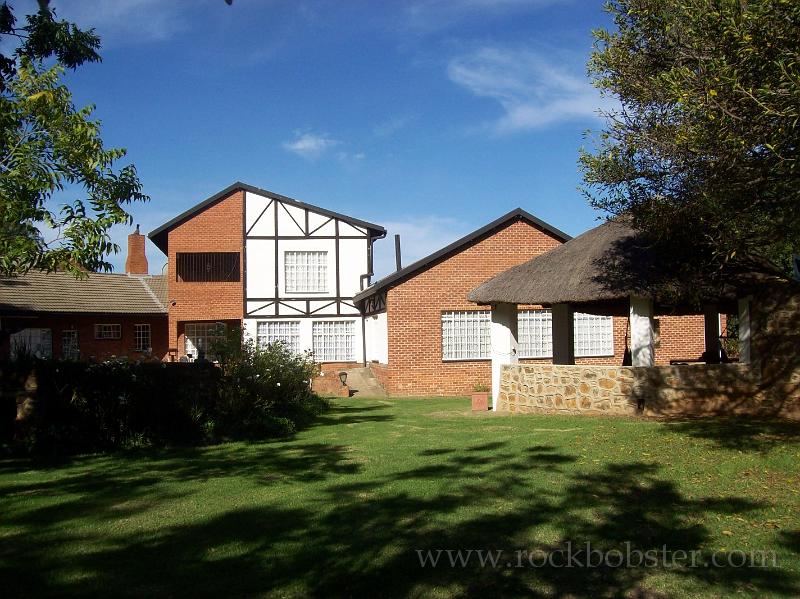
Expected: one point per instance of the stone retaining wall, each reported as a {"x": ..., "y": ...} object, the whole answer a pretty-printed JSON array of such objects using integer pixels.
[{"x": 686, "y": 390}]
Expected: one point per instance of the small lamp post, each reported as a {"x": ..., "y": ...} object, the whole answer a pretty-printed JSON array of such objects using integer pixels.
[{"x": 343, "y": 377}]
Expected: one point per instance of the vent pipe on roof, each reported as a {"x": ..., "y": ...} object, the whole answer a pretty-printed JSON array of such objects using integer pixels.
[
  {"x": 397, "y": 258},
  {"x": 136, "y": 262}
]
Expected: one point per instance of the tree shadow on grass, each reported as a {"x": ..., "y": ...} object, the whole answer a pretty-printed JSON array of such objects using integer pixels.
[
  {"x": 745, "y": 434},
  {"x": 339, "y": 414},
  {"x": 361, "y": 537}
]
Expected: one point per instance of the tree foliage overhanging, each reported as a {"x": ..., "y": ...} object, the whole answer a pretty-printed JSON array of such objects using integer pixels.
[
  {"x": 50, "y": 150},
  {"x": 702, "y": 152}
]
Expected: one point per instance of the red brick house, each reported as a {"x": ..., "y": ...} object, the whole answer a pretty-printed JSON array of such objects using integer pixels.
[
  {"x": 428, "y": 339},
  {"x": 285, "y": 270},
  {"x": 281, "y": 269},
  {"x": 99, "y": 317}
]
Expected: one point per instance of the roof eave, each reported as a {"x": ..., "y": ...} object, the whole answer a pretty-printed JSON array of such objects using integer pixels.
[
  {"x": 158, "y": 235},
  {"x": 414, "y": 267}
]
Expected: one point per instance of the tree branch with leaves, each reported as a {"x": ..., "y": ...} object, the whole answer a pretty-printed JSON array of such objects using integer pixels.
[
  {"x": 49, "y": 149},
  {"x": 703, "y": 150}
]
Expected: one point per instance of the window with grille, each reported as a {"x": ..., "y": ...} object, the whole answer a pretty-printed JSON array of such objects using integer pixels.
[
  {"x": 69, "y": 345},
  {"x": 305, "y": 272},
  {"x": 141, "y": 337},
  {"x": 108, "y": 331},
  {"x": 466, "y": 335},
  {"x": 207, "y": 267},
  {"x": 594, "y": 335},
  {"x": 333, "y": 340},
  {"x": 271, "y": 331},
  {"x": 200, "y": 338},
  {"x": 535, "y": 333}
]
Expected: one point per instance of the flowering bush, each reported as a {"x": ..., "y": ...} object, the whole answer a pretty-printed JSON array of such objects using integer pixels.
[{"x": 266, "y": 391}]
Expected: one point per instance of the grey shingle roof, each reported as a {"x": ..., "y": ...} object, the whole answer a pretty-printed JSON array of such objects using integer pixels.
[{"x": 98, "y": 293}]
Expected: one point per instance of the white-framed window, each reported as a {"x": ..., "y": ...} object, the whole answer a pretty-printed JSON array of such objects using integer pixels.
[
  {"x": 535, "y": 333},
  {"x": 333, "y": 340},
  {"x": 200, "y": 337},
  {"x": 69, "y": 345},
  {"x": 269, "y": 331},
  {"x": 466, "y": 335},
  {"x": 594, "y": 335},
  {"x": 305, "y": 272},
  {"x": 141, "y": 337},
  {"x": 108, "y": 331}
]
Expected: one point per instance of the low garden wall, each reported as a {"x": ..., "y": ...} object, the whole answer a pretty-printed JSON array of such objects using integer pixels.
[{"x": 685, "y": 390}]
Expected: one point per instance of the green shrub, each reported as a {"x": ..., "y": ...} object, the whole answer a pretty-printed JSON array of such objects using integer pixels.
[
  {"x": 266, "y": 391},
  {"x": 74, "y": 407}
]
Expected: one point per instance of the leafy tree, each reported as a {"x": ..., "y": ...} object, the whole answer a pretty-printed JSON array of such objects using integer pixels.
[
  {"x": 703, "y": 150},
  {"x": 48, "y": 147}
]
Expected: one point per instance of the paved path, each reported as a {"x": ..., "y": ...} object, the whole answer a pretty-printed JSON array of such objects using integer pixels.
[{"x": 363, "y": 383}]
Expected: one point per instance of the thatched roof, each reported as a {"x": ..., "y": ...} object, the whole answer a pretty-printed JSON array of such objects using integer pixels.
[{"x": 583, "y": 270}]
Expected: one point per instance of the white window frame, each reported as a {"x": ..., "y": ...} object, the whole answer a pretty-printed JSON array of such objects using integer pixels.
[
  {"x": 204, "y": 332},
  {"x": 466, "y": 335},
  {"x": 593, "y": 335},
  {"x": 287, "y": 331},
  {"x": 107, "y": 331},
  {"x": 139, "y": 338},
  {"x": 70, "y": 344},
  {"x": 535, "y": 333},
  {"x": 333, "y": 340},
  {"x": 305, "y": 271}
]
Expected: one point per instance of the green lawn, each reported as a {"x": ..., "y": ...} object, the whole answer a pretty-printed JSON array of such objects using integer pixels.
[{"x": 341, "y": 509}]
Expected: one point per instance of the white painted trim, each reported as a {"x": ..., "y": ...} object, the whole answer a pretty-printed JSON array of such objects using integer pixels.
[
  {"x": 505, "y": 347},
  {"x": 641, "y": 325}
]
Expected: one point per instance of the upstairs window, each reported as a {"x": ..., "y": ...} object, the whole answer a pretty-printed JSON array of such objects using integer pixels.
[
  {"x": 207, "y": 267},
  {"x": 306, "y": 272}
]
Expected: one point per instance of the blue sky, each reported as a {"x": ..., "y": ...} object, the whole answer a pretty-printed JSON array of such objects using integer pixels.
[{"x": 430, "y": 117}]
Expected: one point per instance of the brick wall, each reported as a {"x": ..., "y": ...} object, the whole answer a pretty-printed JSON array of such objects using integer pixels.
[
  {"x": 91, "y": 348},
  {"x": 217, "y": 228},
  {"x": 414, "y": 309}
]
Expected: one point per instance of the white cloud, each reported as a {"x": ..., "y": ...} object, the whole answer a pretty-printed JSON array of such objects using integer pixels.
[
  {"x": 532, "y": 92},
  {"x": 309, "y": 145},
  {"x": 121, "y": 22},
  {"x": 419, "y": 237}
]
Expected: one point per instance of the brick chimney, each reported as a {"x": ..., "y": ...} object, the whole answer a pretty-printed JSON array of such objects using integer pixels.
[{"x": 136, "y": 262}]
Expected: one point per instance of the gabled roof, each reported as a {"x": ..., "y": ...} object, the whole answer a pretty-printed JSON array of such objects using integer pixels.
[
  {"x": 458, "y": 245},
  {"x": 159, "y": 235},
  {"x": 99, "y": 293}
]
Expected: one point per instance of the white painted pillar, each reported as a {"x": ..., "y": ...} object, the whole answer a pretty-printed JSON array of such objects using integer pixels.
[
  {"x": 745, "y": 356},
  {"x": 504, "y": 343},
  {"x": 711, "y": 333},
  {"x": 641, "y": 325},
  {"x": 563, "y": 332}
]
